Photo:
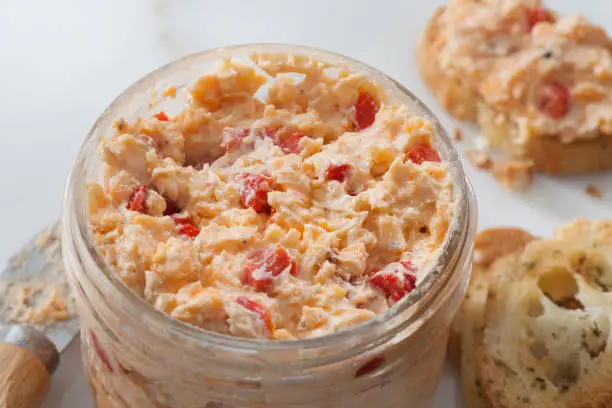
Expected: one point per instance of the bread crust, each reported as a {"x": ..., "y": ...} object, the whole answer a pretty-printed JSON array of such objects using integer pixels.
[
  {"x": 455, "y": 95},
  {"x": 466, "y": 331},
  {"x": 593, "y": 392},
  {"x": 548, "y": 153}
]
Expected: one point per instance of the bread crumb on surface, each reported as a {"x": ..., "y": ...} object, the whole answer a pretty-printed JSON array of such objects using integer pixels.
[
  {"x": 36, "y": 292},
  {"x": 458, "y": 135},
  {"x": 479, "y": 158},
  {"x": 593, "y": 191},
  {"x": 40, "y": 304},
  {"x": 514, "y": 174}
]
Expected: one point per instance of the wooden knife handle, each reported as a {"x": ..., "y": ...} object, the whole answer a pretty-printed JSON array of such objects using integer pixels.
[{"x": 24, "y": 379}]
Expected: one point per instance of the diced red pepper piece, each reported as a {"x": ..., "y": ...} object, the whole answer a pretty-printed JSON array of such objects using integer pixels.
[
  {"x": 395, "y": 283},
  {"x": 409, "y": 266},
  {"x": 370, "y": 367},
  {"x": 266, "y": 264},
  {"x": 181, "y": 219},
  {"x": 138, "y": 199},
  {"x": 99, "y": 351},
  {"x": 390, "y": 284},
  {"x": 537, "y": 15},
  {"x": 292, "y": 144},
  {"x": 254, "y": 189},
  {"x": 338, "y": 172},
  {"x": 185, "y": 225},
  {"x": 422, "y": 153},
  {"x": 410, "y": 282},
  {"x": 189, "y": 229},
  {"x": 161, "y": 116},
  {"x": 364, "y": 111},
  {"x": 232, "y": 138},
  {"x": 263, "y": 313},
  {"x": 555, "y": 100}
]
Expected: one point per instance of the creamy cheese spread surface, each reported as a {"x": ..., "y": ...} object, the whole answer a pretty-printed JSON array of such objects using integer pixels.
[
  {"x": 559, "y": 84},
  {"x": 289, "y": 199},
  {"x": 551, "y": 75}
]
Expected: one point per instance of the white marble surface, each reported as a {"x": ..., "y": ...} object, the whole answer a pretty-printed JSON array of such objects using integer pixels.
[{"x": 63, "y": 61}]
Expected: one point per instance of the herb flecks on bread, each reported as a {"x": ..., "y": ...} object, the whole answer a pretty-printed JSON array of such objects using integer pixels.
[{"x": 547, "y": 322}]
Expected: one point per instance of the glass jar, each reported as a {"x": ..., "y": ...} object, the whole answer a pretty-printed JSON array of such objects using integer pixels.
[{"x": 136, "y": 356}]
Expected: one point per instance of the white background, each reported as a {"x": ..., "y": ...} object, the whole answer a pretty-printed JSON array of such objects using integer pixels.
[{"x": 62, "y": 62}]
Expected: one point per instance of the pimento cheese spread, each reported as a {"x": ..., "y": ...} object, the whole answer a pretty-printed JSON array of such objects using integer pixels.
[
  {"x": 473, "y": 34},
  {"x": 559, "y": 84},
  {"x": 287, "y": 200},
  {"x": 550, "y": 75}
]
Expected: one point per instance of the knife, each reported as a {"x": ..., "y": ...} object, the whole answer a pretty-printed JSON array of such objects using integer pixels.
[{"x": 37, "y": 320}]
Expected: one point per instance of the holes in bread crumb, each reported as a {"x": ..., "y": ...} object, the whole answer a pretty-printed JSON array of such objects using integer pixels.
[
  {"x": 561, "y": 288},
  {"x": 565, "y": 373}
]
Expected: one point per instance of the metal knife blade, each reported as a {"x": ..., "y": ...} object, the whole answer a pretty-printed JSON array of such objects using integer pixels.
[{"x": 34, "y": 291}]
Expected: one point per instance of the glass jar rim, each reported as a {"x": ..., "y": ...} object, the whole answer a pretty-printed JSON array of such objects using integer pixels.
[{"x": 76, "y": 222}]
